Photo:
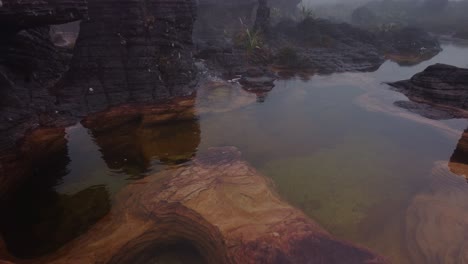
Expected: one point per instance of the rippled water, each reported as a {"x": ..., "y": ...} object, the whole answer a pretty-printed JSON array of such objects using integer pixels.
[{"x": 335, "y": 146}]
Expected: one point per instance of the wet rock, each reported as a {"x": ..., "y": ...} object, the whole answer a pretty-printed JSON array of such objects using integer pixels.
[
  {"x": 441, "y": 85},
  {"x": 146, "y": 58},
  {"x": 427, "y": 110},
  {"x": 34, "y": 226},
  {"x": 329, "y": 47},
  {"x": 220, "y": 205},
  {"x": 130, "y": 138},
  {"x": 258, "y": 79},
  {"x": 220, "y": 97},
  {"x": 128, "y": 52},
  {"x": 31, "y": 155},
  {"x": 409, "y": 45},
  {"x": 459, "y": 160}
]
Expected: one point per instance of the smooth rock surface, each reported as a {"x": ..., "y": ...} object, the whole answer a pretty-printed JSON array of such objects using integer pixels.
[{"x": 219, "y": 204}]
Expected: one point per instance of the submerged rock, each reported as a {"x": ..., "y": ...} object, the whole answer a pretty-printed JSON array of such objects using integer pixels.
[
  {"x": 219, "y": 204},
  {"x": 437, "y": 220},
  {"x": 443, "y": 86}
]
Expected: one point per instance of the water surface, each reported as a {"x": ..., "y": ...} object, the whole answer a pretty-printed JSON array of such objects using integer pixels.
[{"x": 335, "y": 146}]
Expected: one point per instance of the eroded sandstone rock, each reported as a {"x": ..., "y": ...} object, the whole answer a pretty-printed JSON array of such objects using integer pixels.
[
  {"x": 443, "y": 86},
  {"x": 219, "y": 204}
]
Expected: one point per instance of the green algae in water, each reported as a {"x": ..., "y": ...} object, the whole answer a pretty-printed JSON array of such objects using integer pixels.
[{"x": 338, "y": 186}]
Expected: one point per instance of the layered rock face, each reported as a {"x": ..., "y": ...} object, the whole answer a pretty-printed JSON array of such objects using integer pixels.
[
  {"x": 29, "y": 65},
  {"x": 439, "y": 84},
  {"x": 128, "y": 52},
  {"x": 220, "y": 205},
  {"x": 132, "y": 52},
  {"x": 18, "y": 15}
]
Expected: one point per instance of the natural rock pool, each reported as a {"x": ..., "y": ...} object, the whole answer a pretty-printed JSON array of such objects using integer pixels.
[{"x": 335, "y": 146}]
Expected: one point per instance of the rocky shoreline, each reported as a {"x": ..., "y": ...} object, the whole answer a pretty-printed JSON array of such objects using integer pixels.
[
  {"x": 441, "y": 86},
  {"x": 219, "y": 203},
  {"x": 140, "y": 64},
  {"x": 440, "y": 92}
]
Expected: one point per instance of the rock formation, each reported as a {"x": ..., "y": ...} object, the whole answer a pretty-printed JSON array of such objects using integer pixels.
[
  {"x": 219, "y": 204},
  {"x": 128, "y": 52},
  {"x": 443, "y": 86},
  {"x": 409, "y": 45},
  {"x": 18, "y": 15},
  {"x": 459, "y": 160},
  {"x": 329, "y": 47},
  {"x": 140, "y": 55},
  {"x": 29, "y": 62}
]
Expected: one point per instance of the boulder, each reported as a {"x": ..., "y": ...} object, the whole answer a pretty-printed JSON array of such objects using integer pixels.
[
  {"x": 131, "y": 51},
  {"x": 442, "y": 85},
  {"x": 219, "y": 204}
]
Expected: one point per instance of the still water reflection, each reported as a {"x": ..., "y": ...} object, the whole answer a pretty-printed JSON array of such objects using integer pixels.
[{"x": 336, "y": 146}]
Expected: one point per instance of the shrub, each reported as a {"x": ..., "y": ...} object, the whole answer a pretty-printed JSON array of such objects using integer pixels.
[
  {"x": 288, "y": 57},
  {"x": 248, "y": 39}
]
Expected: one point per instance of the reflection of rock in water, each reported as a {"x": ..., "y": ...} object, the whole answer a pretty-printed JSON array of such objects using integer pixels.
[
  {"x": 129, "y": 138},
  {"x": 437, "y": 221},
  {"x": 36, "y": 219},
  {"x": 131, "y": 147},
  {"x": 43, "y": 151},
  {"x": 221, "y": 206}
]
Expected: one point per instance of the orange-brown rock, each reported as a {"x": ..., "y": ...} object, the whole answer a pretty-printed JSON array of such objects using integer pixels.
[
  {"x": 220, "y": 205},
  {"x": 149, "y": 114},
  {"x": 33, "y": 150},
  {"x": 459, "y": 161}
]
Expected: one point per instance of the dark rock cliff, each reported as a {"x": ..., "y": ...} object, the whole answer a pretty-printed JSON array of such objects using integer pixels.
[
  {"x": 128, "y": 52},
  {"x": 439, "y": 84},
  {"x": 131, "y": 52}
]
